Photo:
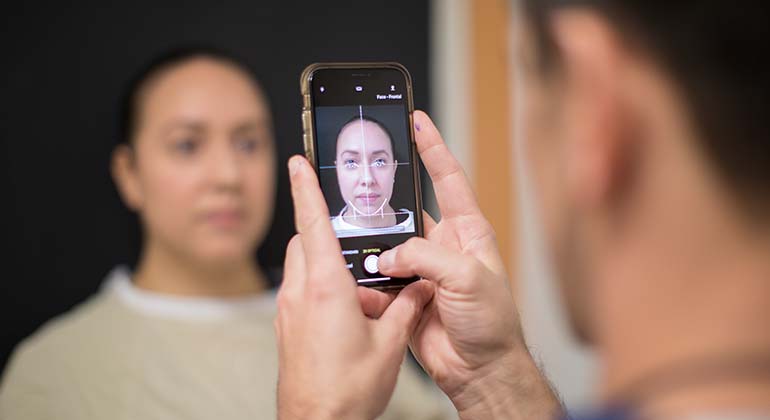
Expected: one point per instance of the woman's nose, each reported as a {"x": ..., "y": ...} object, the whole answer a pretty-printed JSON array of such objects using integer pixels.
[
  {"x": 366, "y": 175},
  {"x": 224, "y": 169}
]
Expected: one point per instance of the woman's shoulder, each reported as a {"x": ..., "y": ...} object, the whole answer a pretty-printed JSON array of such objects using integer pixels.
[
  {"x": 338, "y": 223},
  {"x": 45, "y": 366},
  {"x": 66, "y": 334},
  {"x": 408, "y": 221},
  {"x": 65, "y": 330},
  {"x": 49, "y": 365}
]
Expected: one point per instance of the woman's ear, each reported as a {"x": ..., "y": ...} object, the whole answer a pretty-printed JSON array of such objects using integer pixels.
[{"x": 125, "y": 176}]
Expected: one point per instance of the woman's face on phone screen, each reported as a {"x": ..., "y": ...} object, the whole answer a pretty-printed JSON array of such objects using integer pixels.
[{"x": 366, "y": 167}]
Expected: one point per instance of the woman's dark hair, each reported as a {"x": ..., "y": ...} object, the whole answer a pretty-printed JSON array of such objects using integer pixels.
[
  {"x": 715, "y": 52},
  {"x": 130, "y": 100},
  {"x": 378, "y": 123}
]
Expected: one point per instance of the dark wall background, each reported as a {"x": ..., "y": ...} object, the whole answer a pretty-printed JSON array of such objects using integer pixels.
[{"x": 65, "y": 65}]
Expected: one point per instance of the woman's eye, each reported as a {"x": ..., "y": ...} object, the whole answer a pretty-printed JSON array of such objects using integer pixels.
[
  {"x": 187, "y": 146},
  {"x": 378, "y": 163},
  {"x": 247, "y": 145},
  {"x": 351, "y": 164}
]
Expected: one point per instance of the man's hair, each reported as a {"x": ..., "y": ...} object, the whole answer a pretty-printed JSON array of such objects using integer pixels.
[
  {"x": 130, "y": 100},
  {"x": 378, "y": 123},
  {"x": 715, "y": 52}
]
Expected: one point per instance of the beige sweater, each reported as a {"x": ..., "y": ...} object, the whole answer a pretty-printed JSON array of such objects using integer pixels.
[{"x": 126, "y": 353}]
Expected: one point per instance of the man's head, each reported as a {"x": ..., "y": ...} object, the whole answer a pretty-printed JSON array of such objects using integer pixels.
[
  {"x": 643, "y": 119},
  {"x": 366, "y": 165}
]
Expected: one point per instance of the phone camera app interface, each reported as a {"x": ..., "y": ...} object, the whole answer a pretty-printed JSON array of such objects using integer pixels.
[
  {"x": 359, "y": 168},
  {"x": 365, "y": 169}
]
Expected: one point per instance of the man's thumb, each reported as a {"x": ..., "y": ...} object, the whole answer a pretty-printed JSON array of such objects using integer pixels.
[{"x": 403, "y": 314}]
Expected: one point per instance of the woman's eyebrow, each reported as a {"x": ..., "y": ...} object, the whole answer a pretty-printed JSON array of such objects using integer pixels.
[
  {"x": 381, "y": 151},
  {"x": 249, "y": 126},
  {"x": 181, "y": 124},
  {"x": 352, "y": 152},
  {"x": 185, "y": 124}
]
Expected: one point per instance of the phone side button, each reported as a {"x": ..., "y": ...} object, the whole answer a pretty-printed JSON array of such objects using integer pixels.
[{"x": 305, "y": 119}]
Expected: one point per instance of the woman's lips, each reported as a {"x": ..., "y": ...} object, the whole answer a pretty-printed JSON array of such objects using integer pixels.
[
  {"x": 224, "y": 219},
  {"x": 367, "y": 199}
]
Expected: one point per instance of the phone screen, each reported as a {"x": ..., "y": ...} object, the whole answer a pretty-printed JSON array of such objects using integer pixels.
[{"x": 366, "y": 163}]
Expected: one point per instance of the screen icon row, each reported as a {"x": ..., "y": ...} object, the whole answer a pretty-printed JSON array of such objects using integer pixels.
[{"x": 358, "y": 88}]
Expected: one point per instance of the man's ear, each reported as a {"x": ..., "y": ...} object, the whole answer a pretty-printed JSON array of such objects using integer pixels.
[
  {"x": 125, "y": 176},
  {"x": 596, "y": 118}
]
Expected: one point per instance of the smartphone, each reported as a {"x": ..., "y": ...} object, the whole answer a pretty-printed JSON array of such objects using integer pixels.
[{"x": 358, "y": 134}]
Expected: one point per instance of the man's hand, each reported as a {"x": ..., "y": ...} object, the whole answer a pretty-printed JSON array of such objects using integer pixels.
[
  {"x": 334, "y": 361},
  {"x": 469, "y": 338}
]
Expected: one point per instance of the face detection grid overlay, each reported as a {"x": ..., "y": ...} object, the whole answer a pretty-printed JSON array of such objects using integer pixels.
[{"x": 366, "y": 166}]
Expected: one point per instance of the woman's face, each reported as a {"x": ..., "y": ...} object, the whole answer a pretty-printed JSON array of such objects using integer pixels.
[
  {"x": 203, "y": 172},
  {"x": 366, "y": 167}
]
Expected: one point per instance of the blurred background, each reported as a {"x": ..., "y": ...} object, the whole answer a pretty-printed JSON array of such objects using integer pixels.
[{"x": 66, "y": 66}]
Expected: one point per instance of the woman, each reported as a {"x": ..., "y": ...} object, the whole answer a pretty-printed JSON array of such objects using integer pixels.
[
  {"x": 366, "y": 173},
  {"x": 189, "y": 334}
]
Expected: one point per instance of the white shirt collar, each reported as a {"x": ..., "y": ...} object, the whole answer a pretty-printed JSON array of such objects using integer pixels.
[{"x": 118, "y": 283}]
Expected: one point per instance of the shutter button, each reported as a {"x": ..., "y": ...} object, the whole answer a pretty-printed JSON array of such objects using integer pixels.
[{"x": 370, "y": 264}]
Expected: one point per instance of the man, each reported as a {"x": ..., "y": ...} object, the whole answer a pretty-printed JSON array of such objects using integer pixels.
[{"x": 648, "y": 145}]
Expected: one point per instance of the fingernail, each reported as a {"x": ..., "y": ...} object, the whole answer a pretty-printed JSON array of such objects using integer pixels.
[
  {"x": 294, "y": 163},
  {"x": 387, "y": 259}
]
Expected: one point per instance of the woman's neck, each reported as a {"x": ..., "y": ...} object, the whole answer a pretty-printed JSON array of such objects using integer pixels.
[
  {"x": 385, "y": 219},
  {"x": 163, "y": 271}
]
